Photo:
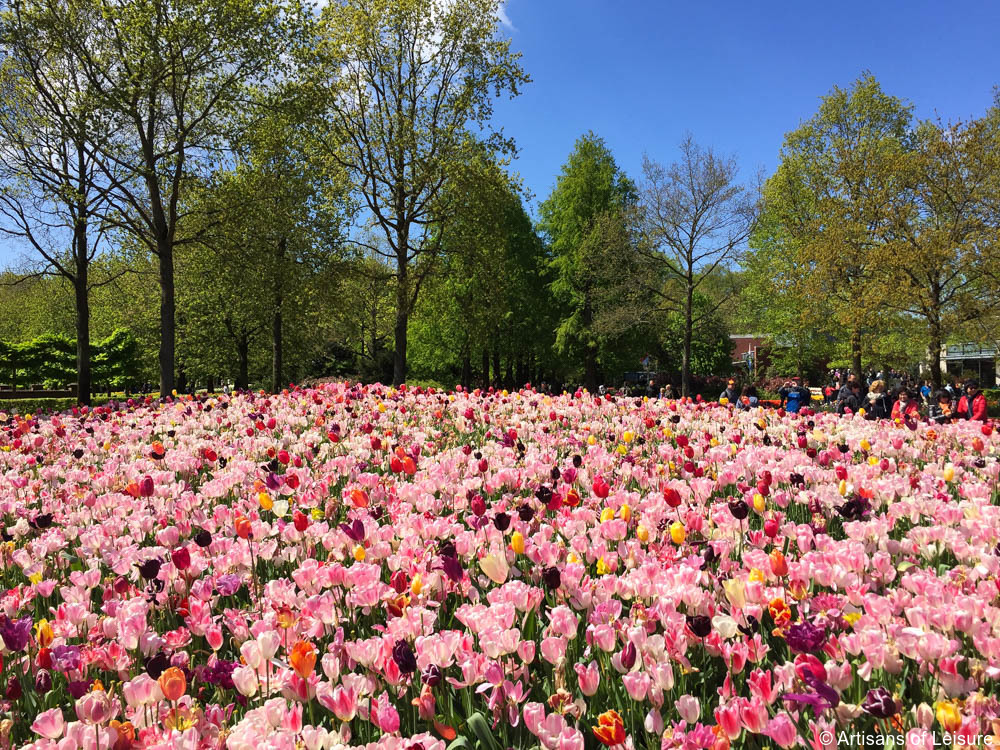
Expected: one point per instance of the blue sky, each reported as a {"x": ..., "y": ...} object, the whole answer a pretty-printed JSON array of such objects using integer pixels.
[{"x": 737, "y": 75}]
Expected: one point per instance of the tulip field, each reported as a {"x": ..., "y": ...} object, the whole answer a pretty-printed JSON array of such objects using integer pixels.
[{"x": 355, "y": 566}]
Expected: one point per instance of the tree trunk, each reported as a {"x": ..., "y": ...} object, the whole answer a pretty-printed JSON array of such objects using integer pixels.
[
  {"x": 165, "y": 251},
  {"x": 402, "y": 295},
  {"x": 243, "y": 353},
  {"x": 590, "y": 349},
  {"x": 486, "y": 368},
  {"x": 686, "y": 354},
  {"x": 497, "y": 375},
  {"x": 466, "y": 367},
  {"x": 80, "y": 284},
  {"x": 277, "y": 376},
  {"x": 856, "y": 352},
  {"x": 934, "y": 362},
  {"x": 83, "y": 379}
]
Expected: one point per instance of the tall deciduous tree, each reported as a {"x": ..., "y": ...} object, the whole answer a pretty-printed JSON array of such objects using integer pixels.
[
  {"x": 696, "y": 218},
  {"x": 167, "y": 78},
  {"x": 832, "y": 195},
  {"x": 585, "y": 220},
  {"x": 942, "y": 237},
  {"x": 53, "y": 192},
  {"x": 487, "y": 298},
  {"x": 408, "y": 79}
]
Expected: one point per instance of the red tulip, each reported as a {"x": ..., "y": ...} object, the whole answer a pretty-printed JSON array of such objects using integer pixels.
[
  {"x": 601, "y": 488},
  {"x": 181, "y": 558},
  {"x": 300, "y": 520},
  {"x": 672, "y": 497}
]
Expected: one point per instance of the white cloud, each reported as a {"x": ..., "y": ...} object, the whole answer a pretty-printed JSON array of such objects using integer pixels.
[{"x": 504, "y": 18}]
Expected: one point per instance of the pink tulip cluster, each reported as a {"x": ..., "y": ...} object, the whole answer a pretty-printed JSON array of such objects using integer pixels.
[{"x": 354, "y": 566}]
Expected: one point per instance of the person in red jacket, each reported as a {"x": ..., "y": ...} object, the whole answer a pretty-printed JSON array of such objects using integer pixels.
[
  {"x": 905, "y": 406},
  {"x": 973, "y": 404}
]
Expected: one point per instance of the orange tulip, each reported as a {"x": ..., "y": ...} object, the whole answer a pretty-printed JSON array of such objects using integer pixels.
[
  {"x": 359, "y": 498},
  {"x": 173, "y": 683},
  {"x": 610, "y": 729},
  {"x": 303, "y": 659},
  {"x": 779, "y": 566},
  {"x": 780, "y": 612},
  {"x": 243, "y": 528}
]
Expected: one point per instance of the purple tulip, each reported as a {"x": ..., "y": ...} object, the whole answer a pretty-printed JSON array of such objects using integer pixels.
[{"x": 16, "y": 633}]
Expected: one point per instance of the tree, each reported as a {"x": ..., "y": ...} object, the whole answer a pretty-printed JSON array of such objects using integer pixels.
[
  {"x": 696, "y": 217},
  {"x": 584, "y": 221},
  {"x": 53, "y": 193},
  {"x": 486, "y": 297},
  {"x": 942, "y": 239},
  {"x": 407, "y": 81},
  {"x": 831, "y": 196},
  {"x": 165, "y": 77},
  {"x": 776, "y": 301}
]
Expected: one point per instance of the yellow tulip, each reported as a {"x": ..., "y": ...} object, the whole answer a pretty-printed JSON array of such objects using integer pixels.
[
  {"x": 359, "y": 552},
  {"x": 317, "y": 514},
  {"x": 265, "y": 501},
  {"x": 865, "y": 445},
  {"x": 668, "y": 433},
  {"x": 842, "y": 487},
  {"x": 626, "y": 513},
  {"x": 713, "y": 442},
  {"x": 735, "y": 592},
  {"x": 723, "y": 401},
  {"x": 872, "y": 460},
  {"x": 758, "y": 502},
  {"x": 607, "y": 514},
  {"x": 44, "y": 634},
  {"x": 642, "y": 533},
  {"x": 949, "y": 473},
  {"x": 591, "y": 440},
  {"x": 757, "y": 575},
  {"x": 495, "y": 567},
  {"x": 572, "y": 559},
  {"x": 602, "y": 568},
  {"x": 381, "y": 407},
  {"x": 677, "y": 533},
  {"x": 517, "y": 542},
  {"x": 948, "y": 715},
  {"x": 622, "y": 450},
  {"x": 628, "y": 436}
]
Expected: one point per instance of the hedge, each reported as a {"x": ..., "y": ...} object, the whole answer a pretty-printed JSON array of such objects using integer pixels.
[{"x": 51, "y": 359}]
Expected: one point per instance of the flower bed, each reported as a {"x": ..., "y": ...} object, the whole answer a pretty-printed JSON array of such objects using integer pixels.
[{"x": 363, "y": 567}]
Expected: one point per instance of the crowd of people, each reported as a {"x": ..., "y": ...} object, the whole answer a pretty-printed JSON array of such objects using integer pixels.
[
  {"x": 875, "y": 399},
  {"x": 877, "y": 395}
]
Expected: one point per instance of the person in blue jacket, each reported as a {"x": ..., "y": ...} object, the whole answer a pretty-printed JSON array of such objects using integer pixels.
[{"x": 794, "y": 395}]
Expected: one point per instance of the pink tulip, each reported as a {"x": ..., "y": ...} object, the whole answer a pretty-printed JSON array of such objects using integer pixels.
[
  {"x": 637, "y": 685},
  {"x": 688, "y": 708},
  {"x": 49, "y": 724},
  {"x": 245, "y": 680},
  {"x": 386, "y": 717},
  {"x": 95, "y": 708},
  {"x": 589, "y": 677},
  {"x": 728, "y": 717},
  {"x": 782, "y": 730}
]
